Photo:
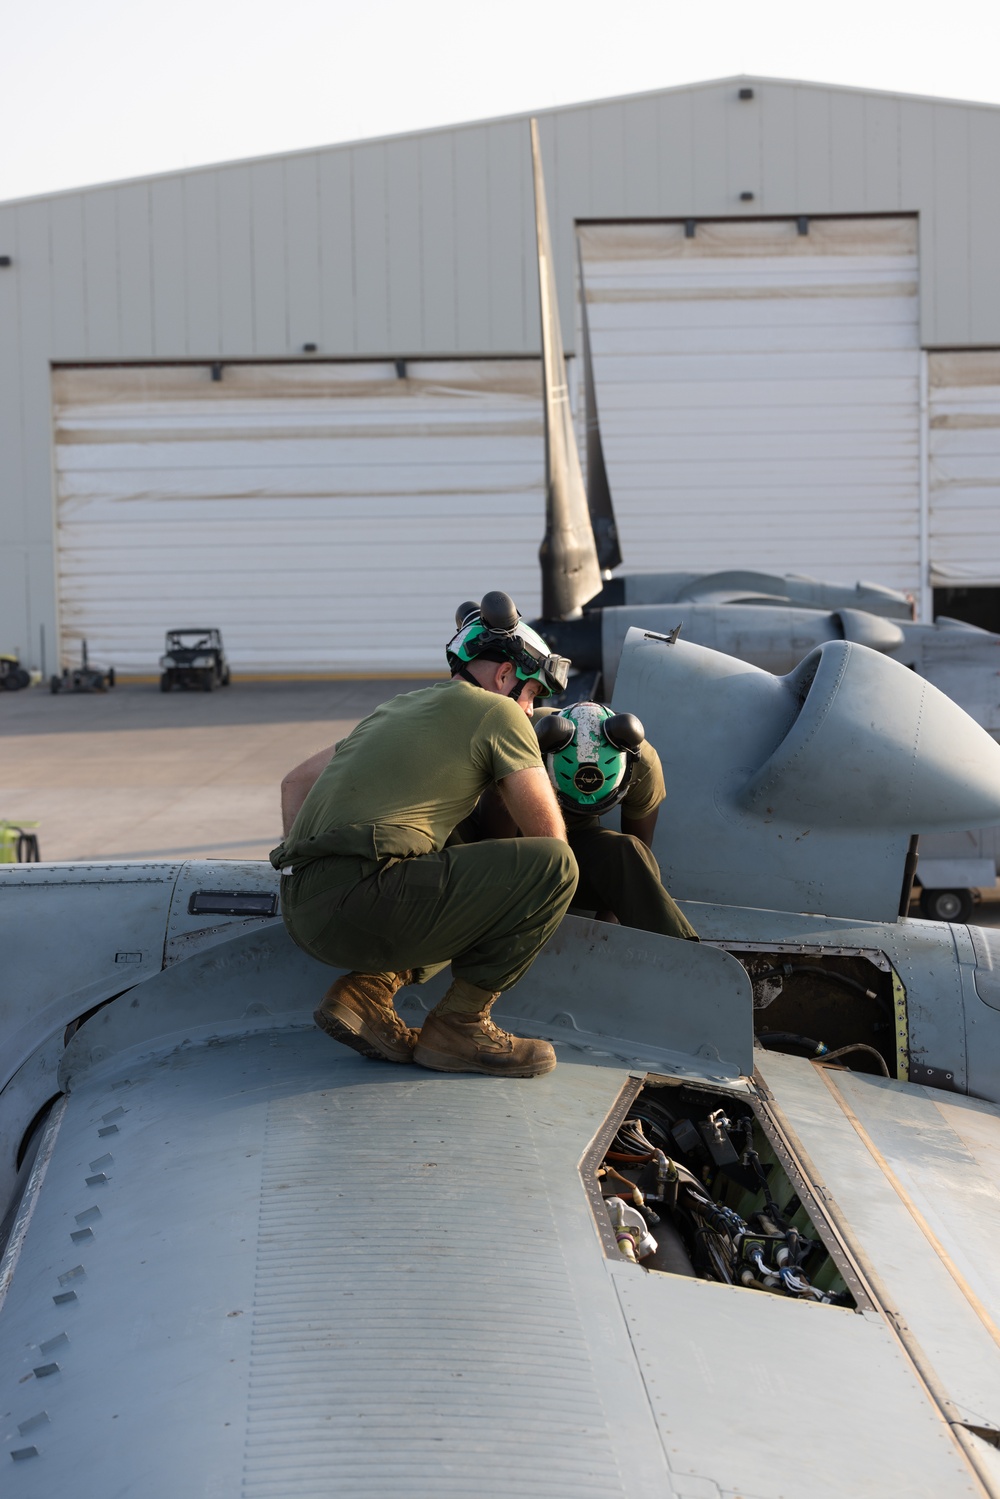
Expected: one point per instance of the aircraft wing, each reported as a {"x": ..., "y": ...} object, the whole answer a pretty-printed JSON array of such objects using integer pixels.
[{"x": 248, "y": 1261}]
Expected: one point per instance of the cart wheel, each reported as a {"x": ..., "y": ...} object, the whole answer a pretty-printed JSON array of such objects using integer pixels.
[
  {"x": 54, "y": 684},
  {"x": 226, "y": 679},
  {"x": 9, "y": 682},
  {"x": 208, "y": 680},
  {"x": 165, "y": 682},
  {"x": 23, "y": 677},
  {"x": 946, "y": 905},
  {"x": 111, "y": 676}
]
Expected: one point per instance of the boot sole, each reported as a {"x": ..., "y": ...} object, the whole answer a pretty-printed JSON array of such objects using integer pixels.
[
  {"x": 350, "y": 1030},
  {"x": 440, "y": 1061}
]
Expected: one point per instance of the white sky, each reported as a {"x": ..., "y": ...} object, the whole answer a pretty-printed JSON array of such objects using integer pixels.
[{"x": 95, "y": 90}]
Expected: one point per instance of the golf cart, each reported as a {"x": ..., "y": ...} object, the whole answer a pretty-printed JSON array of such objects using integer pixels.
[{"x": 193, "y": 658}]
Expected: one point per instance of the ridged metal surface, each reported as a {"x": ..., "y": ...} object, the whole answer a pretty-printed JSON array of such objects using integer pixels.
[
  {"x": 310, "y": 1275},
  {"x": 389, "y": 1322}
]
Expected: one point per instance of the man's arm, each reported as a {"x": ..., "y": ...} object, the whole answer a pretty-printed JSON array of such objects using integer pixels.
[
  {"x": 298, "y": 783},
  {"x": 530, "y": 800}
]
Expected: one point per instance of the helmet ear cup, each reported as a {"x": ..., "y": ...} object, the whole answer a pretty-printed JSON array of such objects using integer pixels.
[
  {"x": 465, "y": 611},
  {"x": 624, "y": 731},
  {"x": 499, "y": 612},
  {"x": 554, "y": 733}
]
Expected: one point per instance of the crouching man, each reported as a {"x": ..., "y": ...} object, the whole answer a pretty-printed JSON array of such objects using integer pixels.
[{"x": 369, "y": 885}]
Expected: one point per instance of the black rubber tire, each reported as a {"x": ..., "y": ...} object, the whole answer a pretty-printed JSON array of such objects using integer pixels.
[
  {"x": 208, "y": 680},
  {"x": 23, "y": 677},
  {"x": 9, "y": 681},
  {"x": 165, "y": 681},
  {"x": 111, "y": 676},
  {"x": 55, "y": 683},
  {"x": 946, "y": 905},
  {"x": 226, "y": 679}
]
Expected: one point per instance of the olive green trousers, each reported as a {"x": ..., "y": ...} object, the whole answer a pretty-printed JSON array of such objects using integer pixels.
[
  {"x": 619, "y": 873},
  {"x": 486, "y": 908}
]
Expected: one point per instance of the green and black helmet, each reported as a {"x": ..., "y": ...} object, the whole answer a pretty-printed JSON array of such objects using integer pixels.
[
  {"x": 495, "y": 631},
  {"x": 590, "y": 753}
]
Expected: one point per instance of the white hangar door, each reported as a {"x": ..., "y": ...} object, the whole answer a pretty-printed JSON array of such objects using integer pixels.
[
  {"x": 758, "y": 394},
  {"x": 964, "y": 469},
  {"x": 326, "y": 517}
]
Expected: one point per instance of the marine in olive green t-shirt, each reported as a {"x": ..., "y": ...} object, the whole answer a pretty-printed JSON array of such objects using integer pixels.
[{"x": 409, "y": 773}]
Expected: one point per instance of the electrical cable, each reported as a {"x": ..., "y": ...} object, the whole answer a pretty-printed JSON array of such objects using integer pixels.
[{"x": 842, "y": 1051}]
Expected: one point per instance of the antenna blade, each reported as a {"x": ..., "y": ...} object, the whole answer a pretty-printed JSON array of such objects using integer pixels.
[
  {"x": 571, "y": 573},
  {"x": 599, "y": 502}
]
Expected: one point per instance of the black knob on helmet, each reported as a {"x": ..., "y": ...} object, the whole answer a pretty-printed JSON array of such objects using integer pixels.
[
  {"x": 464, "y": 610},
  {"x": 499, "y": 612},
  {"x": 554, "y": 732},
  {"x": 624, "y": 731}
]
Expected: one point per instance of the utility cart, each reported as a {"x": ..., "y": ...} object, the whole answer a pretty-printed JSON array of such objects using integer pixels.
[{"x": 194, "y": 658}]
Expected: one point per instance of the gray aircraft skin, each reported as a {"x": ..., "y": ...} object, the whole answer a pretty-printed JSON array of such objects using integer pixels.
[{"x": 241, "y": 1259}]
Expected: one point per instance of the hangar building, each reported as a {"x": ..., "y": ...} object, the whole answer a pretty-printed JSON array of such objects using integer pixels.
[{"x": 299, "y": 397}]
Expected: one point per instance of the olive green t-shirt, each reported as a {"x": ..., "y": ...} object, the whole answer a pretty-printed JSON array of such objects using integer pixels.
[{"x": 409, "y": 773}]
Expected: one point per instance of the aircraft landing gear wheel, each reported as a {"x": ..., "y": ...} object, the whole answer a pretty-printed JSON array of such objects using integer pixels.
[{"x": 946, "y": 905}]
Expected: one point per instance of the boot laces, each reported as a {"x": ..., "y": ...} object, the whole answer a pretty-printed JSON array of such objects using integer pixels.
[{"x": 492, "y": 1031}]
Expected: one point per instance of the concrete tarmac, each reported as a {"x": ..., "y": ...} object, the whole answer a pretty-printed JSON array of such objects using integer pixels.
[{"x": 134, "y": 773}]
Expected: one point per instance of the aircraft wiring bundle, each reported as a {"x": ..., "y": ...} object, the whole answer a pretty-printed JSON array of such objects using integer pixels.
[{"x": 688, "y": 1193}]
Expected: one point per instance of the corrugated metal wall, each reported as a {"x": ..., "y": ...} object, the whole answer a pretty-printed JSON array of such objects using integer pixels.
[
  {"x": 325, "y": 517},
  {"x": 964, "y": 391},
  {"x": 758, "y": 393},
  {"x": 422, "y": 245}
]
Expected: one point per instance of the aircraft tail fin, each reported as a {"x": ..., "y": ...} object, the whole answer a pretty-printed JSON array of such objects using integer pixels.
[
  {"x": 599, "y": 502},
  {"x": 571, "y": 572}
]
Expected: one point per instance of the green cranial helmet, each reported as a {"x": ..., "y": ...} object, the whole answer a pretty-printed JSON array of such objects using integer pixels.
[
  {"x": 590, "y": 753},
  {"x": 495, "y": 631}
]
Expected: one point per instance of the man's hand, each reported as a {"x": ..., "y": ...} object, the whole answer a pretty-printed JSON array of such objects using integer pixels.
[
  {"x": 531, "y": 802},
  {"x": 298, "y": 783}
]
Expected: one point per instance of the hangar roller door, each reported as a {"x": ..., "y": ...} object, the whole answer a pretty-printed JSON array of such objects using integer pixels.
[
  {"x": 758, "y": 393},
  {"x": 964, "y": 482},
  {"x": 326, "y": 517}
]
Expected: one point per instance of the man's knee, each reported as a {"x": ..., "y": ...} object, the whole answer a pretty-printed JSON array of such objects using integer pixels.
[
  {"x": 556, "y": 864},
  {"x": 632, "y": 852}
]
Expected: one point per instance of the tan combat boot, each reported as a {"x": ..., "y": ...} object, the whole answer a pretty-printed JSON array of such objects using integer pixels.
[
  {"x": 459, "y": 1036},
  {"x": 358, "y": 1011}
]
